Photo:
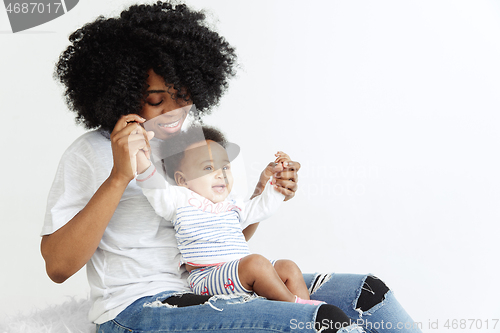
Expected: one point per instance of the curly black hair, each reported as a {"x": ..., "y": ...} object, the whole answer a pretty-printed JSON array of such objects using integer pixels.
[
  {"x": 104, "y": 69},
  {"x": 174, "y": 147}
]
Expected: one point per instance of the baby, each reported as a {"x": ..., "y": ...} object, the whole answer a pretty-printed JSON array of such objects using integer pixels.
[{"x": 209, "y": 226}]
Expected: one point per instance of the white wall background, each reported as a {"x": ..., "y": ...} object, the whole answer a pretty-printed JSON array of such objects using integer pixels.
[{"x": 392, "y": 107}]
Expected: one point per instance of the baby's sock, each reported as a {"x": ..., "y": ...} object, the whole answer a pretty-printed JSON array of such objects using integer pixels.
[{"x": 299, "y": 300}]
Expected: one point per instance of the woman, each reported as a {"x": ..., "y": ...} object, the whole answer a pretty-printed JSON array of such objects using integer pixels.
[{"x": 151, "y": 66}]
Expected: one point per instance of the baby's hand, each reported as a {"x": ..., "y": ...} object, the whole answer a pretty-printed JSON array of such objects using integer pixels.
[
  {"x": 143, "y": 161},
  {"x": 282, "y": 166},
  {"x": 143, "y": 155},
  {"x": 277, "y": 166},
  {"x": 281, "y": 161}
]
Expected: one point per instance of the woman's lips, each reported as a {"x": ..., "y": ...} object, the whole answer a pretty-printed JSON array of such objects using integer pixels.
[
  {"x": 170, "y": 127},
  {"x": 175, "y": 123}
]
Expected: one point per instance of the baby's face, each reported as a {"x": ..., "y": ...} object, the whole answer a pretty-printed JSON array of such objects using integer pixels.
[{"x": 205, "y": 169}]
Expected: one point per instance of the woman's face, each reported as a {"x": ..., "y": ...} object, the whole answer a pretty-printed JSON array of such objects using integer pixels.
[{"x": 164, "y": 115}]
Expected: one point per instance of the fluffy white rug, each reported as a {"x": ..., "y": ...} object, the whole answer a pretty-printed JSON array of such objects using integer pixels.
[{"x": 69, "y": 317}]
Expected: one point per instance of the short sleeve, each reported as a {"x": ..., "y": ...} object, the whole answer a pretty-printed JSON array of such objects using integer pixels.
[{"x": 72, "y": 189}]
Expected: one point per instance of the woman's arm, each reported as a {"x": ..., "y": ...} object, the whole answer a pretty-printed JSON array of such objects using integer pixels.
[
  {"x": 287, "y": 185},
  {"x": 68, "y": 249}
]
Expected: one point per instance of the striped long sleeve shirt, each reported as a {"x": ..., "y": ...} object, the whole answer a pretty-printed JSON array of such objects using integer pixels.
[{"x": 207, "y": 233}]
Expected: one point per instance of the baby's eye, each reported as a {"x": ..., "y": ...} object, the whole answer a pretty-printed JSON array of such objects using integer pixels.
[
  {"x": 208, "y": 168},
  {"x": 226, "y": 167},
  {"x": 155, "y": 104}
]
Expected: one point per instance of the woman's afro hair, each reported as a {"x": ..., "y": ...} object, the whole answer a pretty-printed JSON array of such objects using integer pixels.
[{"x": 104, "y": 69}]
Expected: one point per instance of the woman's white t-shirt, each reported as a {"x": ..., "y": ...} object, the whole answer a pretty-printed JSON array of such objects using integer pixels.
[{"x": 138, "y": 254}]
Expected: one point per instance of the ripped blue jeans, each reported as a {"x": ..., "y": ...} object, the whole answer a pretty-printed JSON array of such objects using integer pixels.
[{"x": 243, "y": 313}]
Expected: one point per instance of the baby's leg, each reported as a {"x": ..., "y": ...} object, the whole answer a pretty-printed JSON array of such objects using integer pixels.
[
  {"x": 292, "y": 277},
  {"x": 258, "y": 274}
]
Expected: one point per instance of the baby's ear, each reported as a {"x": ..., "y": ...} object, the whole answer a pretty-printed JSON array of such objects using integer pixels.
[{"x": 180, "y": 179}]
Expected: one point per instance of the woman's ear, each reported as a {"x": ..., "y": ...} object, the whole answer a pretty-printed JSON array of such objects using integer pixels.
[{"x": 180, "y": 179}]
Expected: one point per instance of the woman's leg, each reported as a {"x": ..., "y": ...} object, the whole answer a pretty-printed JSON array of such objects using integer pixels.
[
  {"x": 292, "y": 277},
  {"x": 365, "y": 299},
  {"x": 225, "y": 313}
]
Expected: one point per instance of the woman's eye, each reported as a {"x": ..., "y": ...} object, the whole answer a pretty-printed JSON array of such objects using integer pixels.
[{"x": 155, "y": 104}]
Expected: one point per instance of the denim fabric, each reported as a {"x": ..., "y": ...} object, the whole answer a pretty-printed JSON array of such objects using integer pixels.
[
  {"x": 243, "y": 313},
  {"x": 343, "y": 290}
]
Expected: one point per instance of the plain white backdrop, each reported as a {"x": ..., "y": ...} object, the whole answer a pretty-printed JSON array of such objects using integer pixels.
[{"x": 392, "y": 107}]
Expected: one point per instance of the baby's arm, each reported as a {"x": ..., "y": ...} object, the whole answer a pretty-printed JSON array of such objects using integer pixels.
[
  {"x": 265, "y": 204},
  {"x": 273, "y": 168},
  {"x": 161, "y": 195}
]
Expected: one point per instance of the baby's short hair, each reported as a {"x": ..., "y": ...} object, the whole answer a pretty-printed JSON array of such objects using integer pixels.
[{"x": 174, "y": 147}]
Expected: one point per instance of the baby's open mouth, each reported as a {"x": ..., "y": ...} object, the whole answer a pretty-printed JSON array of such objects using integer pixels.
[{"x": 219, "y": 188}]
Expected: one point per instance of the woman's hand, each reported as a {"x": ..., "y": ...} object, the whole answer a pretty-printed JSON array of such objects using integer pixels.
[
  {"x": 284, "y": 173},
  {"x": 287, "y": 178},
  {"x": 127, "y": 138}
]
